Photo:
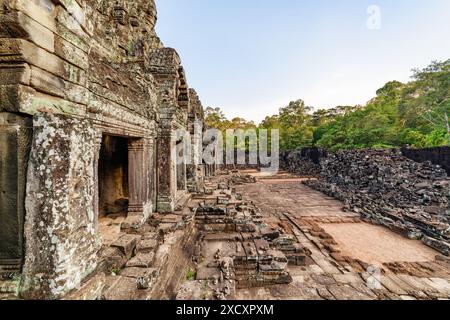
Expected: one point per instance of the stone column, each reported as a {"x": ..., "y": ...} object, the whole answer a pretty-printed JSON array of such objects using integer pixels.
[
  {"x": 166, "y": 185},
  {"x": 62, "y": 240},
  {"x": 140, "y": 205},
  {"x": 194, "y": 170},
  {"x": 97, "y": 148},
  {"x": 15, "y": 137},
  {"x": 181, "y": 168}
]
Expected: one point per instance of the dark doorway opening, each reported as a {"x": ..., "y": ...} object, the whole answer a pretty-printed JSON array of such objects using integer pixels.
[{"x": 113, "y": 187}]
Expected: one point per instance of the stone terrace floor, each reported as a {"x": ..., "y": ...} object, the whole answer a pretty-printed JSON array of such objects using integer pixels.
[{"x": 350, "y": 259}]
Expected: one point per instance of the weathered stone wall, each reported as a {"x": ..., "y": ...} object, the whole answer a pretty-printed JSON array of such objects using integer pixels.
[
  {"x": 60, "y": 229},
  {"x": 85, "y": 69},
  {"x": 439, "y": 156},
  {"x": 303, "y": 162}
]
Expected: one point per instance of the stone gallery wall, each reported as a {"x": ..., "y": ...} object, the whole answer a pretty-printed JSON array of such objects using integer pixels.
[
  {"x": 439, "y": 156},
  {"x": 73, "y": 72},
  {"x": 304, "y": 162}
]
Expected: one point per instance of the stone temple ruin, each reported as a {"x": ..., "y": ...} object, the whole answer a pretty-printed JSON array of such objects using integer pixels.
[
  {"x": 90, "y": 100},
  {"x": 94, "y": 203}
]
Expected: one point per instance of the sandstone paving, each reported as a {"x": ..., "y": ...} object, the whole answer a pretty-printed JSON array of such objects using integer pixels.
[{"x": 328, "y": 231}]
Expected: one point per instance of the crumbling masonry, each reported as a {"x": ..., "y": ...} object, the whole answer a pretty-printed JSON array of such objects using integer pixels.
[{"x": 90, "y": 101}]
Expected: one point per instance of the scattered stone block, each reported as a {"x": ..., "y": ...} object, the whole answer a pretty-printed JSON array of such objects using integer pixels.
[
  {"x": 127, "y": 243},
  {"x": 91, "y": 289},
  {"x": 132, "y": 222},
  {"x": 142, "y": 260},
  {"x": 123, "y": 288},
  {"x": 145, "y": 277},
  {"x": 147, "y": 246}
]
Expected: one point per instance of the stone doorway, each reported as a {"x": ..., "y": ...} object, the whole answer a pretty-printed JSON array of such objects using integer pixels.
[
  {"x": 15, "y": 145},
  {"x": 113, "y": 186}
]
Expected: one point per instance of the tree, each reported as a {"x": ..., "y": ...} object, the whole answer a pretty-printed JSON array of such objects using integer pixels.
[
  {"x": 215, "y": 118},
  {"x": 295, "y": 125},
  {"x": 426, "y": 103},
  {"x": 414, "y": 114}
]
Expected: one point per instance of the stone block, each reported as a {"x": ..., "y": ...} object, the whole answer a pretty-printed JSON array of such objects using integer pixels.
[
  {"x": 59, "y": 204},
  {"x": 126, "y": 243},
  {"x": 15, "y": 145},
  {"x": 44, "y": 81},
  {"x": 142, "y": 260},
  {"x": 89, "y": 290},
  {"x": 73, "y": 16},
  {"x": 20, "y": 50},
  {"x": 41, "y": 11},
  {"x": 71, "y": 53},
  {"x": 15, "y": 74},
  {"x": 145, "y": 277},
  {"x": 123, "y": 288},
  {"x": 132, "y": 223},
  {"x": 111, "y": 259},
  {"x": 146, "y": 246},
  {"x": 18, "y": 25}
]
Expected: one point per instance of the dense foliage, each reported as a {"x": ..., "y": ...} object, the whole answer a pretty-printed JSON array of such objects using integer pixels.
[{"x": 414, "y": 114}]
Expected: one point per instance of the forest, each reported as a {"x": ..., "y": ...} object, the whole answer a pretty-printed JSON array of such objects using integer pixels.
[{"x": 413, "y": 114}]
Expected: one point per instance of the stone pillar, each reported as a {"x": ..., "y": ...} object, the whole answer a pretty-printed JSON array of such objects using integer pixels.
[
  {"x": 62, "y": 239},
  {"x": 153, "y": 176},
  {"x": 194, "y": 170},
  {"x": 15, "y": 137},
  {"x": 97, "y": 148},
  {"x": 191, "y": 177},
  {"x": 181, "y": 168},
  {"x": 139, "y": 163},
  {"x": 166, "y": 175}
]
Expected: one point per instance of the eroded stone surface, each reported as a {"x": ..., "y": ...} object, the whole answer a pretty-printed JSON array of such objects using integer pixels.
[{"x": 101, "y": 88}]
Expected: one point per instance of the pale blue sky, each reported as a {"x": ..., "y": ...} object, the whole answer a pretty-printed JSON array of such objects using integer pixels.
[{"x": 251, "y": 57}]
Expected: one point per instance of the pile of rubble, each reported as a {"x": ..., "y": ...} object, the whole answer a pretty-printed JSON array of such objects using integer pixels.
[
  {"x": 295, "y": 252},
  {"x": 139, "y": 262},
  {"x": 226, "y": 181},
  {"x": 243, "y": 243},
  {"x": 386, "y": 188},
  {"x": 304, "y": 162},
  {"x": 237, "y": 178},
  {"x": 235, "y": 248},
  {"x": 130, "y": 260}
]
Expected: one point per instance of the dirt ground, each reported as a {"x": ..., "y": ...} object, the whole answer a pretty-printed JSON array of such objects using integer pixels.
[{"x": 377, "y": 245}]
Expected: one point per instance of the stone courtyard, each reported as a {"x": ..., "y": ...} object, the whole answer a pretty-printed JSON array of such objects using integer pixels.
[{"x": 343, "y": 250}]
